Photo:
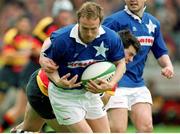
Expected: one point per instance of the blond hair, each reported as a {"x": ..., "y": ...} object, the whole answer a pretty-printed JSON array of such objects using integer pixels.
[{"x": 90, "y": 10}]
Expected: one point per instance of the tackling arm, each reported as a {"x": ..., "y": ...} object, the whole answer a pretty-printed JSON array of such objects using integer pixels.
[
  {"x": 47, "y": 64},
  {"x": 120, "y": 70}
]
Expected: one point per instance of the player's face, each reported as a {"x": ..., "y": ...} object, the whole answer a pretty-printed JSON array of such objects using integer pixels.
[
  {"x": 130, "y": 52},
  {"x": 135, "y": 5},
  {"x": 24, "y": 26},
  {"x": 88, "y": 29}
]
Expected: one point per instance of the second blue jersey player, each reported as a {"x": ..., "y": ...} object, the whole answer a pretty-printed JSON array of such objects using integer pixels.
[{"x": 132, "y": 94}]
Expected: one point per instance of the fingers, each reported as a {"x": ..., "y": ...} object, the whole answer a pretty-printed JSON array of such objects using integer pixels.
[
  {"x": 101, "y": 81},
  {"x": 77, "y": 85},
  {"x": 49, "y": 69},
  {"x": 92, "y": 84},
  {"x": 53, "y": 65},
  {"x": 48, "y": 64},
  {"x": 167, "y": 73},
  {"x": 70, "y": 83},
  {"x": 65, "y": 76},
  {"x": 92, "y": 91},
  {"x": 73, "y": 79},
  {"x": 93, "y": 87}
]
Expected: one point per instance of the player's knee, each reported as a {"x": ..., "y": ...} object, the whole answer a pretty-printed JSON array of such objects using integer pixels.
[
  {"x": 147, "y": 127},
  {"x": 118, "y": 128}
]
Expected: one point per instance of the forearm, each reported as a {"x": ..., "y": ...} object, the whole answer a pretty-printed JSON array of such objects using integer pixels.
[
  {"x": 120, "y": 70},
  {"x": 164, "y": 61},
  {"x": 54, "y": 77},
  {"x": 167, "y": 67},
  {"x": 47, "y": 64},
  {"x": 46, "y": 45}
]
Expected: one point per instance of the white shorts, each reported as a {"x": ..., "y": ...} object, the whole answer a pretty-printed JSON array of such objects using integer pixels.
[
  {"x": 72, "y": 106},
  {"x": 126, "y": 97}
]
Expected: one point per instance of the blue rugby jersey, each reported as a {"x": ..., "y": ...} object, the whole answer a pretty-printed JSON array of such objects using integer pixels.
[
  {"x": 73, "y": 56},
  {"x": 147, "y": 30}
]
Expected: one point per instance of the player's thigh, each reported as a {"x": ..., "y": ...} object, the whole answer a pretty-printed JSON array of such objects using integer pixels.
[
  {"x": 21, "y": 100},
  {"x": 118, "y": 119},
  {"x": 141, "y": 114},
  {"x": 140, "y": 102},
  {"x": 80, "y": 127},
  {"x": 20, "y": 105},
  {"x": 55, "y": 125},
  {"x": 32, "y": 120},
  {"x": 99, "y": 125}
]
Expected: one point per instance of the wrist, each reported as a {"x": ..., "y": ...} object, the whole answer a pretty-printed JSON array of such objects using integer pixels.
[
  {"x": 112, "y": 91},
  {"x": 114, "y": 87},
  {"x": 43, "y": 54}
]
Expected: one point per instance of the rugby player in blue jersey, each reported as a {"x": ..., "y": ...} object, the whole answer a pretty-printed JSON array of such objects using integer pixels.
[
  {"x": 39, "y": 109},
  {"x": 73, "y": 48},
  {"x": 132, "y": 94}
]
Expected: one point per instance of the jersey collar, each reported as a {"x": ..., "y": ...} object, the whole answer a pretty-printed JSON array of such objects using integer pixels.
[
  {"x": 132, "y": 14},
  {"x": 74, "y": 34}
]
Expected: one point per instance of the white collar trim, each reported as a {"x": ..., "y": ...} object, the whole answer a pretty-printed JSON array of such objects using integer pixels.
[
  {"x": 132, "y": 14},
  {"x": 74, "y": 34}
]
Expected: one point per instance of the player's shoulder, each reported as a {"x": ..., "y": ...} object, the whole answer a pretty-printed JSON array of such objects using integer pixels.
[
  {"x": 116, "y": 19},
  {"x": 151, "y": 17},
  {"x": 109, "y": 32}
]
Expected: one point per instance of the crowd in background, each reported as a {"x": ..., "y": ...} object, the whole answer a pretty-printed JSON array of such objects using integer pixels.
[{"x": 167, "y": 11}]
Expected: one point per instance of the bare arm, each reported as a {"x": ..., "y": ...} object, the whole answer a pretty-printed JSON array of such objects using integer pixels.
[
  {"x": 167, "y": 67},
  {"x": 120, "y": 70},
  {"x": 64, "y": 82},
  {"x": 51, "y": 70},
  {"x": 47, "y": 64},
  {"x": 46, "y": 45}
]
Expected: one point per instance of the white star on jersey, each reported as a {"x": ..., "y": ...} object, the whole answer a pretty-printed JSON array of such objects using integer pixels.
[
  {"x": 151, "y": 27},
  {"x": 101, "y": 50}
]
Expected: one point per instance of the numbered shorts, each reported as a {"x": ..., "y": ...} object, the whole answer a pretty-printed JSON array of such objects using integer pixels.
[
  {"x": 72, "y": 106},
  {"x": 127, "y": 97}
]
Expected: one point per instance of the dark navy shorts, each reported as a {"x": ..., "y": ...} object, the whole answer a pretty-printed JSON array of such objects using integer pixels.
[{"x": 39, "y": 102}]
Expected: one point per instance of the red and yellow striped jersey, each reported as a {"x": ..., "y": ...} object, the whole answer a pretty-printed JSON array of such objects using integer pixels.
[{"x": 42, "y": 81}]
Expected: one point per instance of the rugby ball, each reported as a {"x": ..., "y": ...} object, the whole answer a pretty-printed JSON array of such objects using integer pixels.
[{"x": 102, "y": 70}]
